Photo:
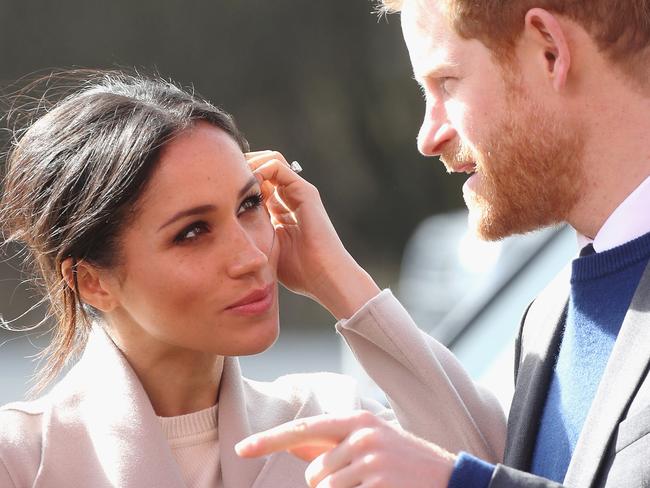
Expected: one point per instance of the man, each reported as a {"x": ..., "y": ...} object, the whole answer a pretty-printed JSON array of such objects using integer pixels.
[{"x": 545, "y": 103}]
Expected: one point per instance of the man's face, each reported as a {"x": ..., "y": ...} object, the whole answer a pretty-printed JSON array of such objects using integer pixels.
[{"x": 482, "y": 118}]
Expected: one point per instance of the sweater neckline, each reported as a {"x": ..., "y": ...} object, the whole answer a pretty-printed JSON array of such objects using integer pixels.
[
  {"x": 611, "y": 261},
  {"x": 190, "y": 424}
]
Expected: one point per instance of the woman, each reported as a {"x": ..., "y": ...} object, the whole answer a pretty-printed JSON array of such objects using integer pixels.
[{"x": 150, "y": 232}]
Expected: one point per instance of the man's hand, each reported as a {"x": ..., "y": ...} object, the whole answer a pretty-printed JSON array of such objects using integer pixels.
[{"x": 357, "y": 449}]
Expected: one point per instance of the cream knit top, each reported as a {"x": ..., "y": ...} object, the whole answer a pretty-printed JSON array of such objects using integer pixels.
[{"x": 194, "y": 441}]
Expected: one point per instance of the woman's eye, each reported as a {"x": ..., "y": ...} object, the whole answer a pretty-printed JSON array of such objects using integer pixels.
[
  {"x": 191, "y": 232},
  {"x": 251, "y": 203}
]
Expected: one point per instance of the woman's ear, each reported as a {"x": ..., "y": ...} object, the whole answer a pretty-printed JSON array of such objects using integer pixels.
[
  {"x": 91, "y": 282},
  {"x": 547, "y": 36}
]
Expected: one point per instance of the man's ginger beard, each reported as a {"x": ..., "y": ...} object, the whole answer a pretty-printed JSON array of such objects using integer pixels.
[{"x": 530, "y": 173}]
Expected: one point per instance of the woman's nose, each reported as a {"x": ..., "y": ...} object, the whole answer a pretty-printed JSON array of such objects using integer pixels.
[{"x": 246, "y": 256}]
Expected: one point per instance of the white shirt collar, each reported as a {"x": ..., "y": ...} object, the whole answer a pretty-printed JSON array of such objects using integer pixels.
[{"x": 630, "y": 220}]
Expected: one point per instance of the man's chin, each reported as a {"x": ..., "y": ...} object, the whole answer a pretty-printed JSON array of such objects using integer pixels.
[
  {"x": 481, "y": 218},
  {"x": 485, "y": 229},
  {"x": 489, "y": 226}
]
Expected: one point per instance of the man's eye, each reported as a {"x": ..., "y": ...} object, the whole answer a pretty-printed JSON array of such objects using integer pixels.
[
  {"x": 191, "y": 232},
  {"x": 446, "y": 84}
]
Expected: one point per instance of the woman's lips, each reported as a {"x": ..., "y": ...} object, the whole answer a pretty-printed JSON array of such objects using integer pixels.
[{"x": 255, "y": 303}]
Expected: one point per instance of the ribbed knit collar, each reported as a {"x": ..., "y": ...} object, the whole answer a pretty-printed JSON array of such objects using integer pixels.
[
  {"x": 190, "y": 424},
  {"x": 611, "y": 261}
]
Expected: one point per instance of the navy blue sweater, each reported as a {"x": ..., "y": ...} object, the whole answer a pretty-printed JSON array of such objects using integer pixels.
[{"x": 602, "y": 287}]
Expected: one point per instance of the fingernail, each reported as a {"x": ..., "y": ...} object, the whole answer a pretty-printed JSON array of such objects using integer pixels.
[
  {"x": 240, "y": 448},
  {"x": 244, "y": 445}
]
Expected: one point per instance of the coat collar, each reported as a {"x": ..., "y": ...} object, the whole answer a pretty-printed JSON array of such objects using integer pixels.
[
  {"x": 101, "y": 410},
  {"x": 247, "y": 407}
]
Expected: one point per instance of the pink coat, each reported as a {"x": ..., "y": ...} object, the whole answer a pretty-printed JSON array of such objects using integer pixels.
[{"x": 97, "y": 428}]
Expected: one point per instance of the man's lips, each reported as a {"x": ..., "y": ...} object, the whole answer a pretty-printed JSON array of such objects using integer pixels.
[
  {"x": 468, "y": 168},
  {"x": 257, "y": 301}
]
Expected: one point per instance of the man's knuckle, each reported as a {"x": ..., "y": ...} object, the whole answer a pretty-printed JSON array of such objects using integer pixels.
[
  {"x": 372, "y": 461},
  {"x": 365, "y": 439},
  {"x": 366, "y": 418},
  {"x": 300, "y": 426}
]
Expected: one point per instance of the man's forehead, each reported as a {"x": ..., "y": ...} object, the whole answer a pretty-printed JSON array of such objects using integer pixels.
[
  {"x": 425, "y": 18},
  {"x": 432, "y": 44}
]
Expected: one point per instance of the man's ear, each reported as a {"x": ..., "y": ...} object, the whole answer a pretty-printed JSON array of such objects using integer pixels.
[
  {"x": 91, "y": 282},
  {"x": 549, "y": 40}
]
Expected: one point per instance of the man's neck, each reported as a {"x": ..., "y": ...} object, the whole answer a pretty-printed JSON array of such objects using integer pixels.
[
  {"x": 616, "y": 159},
  {"x": 629, "y": 220}
]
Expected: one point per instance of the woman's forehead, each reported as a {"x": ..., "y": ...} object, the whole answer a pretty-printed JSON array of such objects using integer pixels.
[{"x": 201, "y": 164}]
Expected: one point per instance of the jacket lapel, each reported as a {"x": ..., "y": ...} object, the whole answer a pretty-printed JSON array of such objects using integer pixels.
[
  {"x": 539, "y": 342},
  {"x": 247, "y": 407},
  {"x": 624, "y": 373},
  {"x": 102, "y": 413},
  {"x": 101, "y": 430},
  {"x": 234, "y": 425}
]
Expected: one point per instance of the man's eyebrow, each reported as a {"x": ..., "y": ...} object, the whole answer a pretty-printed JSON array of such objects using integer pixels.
[
  {"x": 201, "y": 209},
  {"x": 435, "y": 71}
]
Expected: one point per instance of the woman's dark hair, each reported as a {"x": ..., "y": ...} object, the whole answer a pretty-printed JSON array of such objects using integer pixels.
[{"x": 74, "y": 172}]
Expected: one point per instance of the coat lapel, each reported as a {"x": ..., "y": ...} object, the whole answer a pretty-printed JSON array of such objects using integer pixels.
[
  {"x": 247, "y": 407},
  {"x": 623, "y": 375},
  {"x": 101, "y": 411},
  {"x": 540, "y": 339},
  {"x": 103, "y": 414},
  {"x": 234, "y": 425}
]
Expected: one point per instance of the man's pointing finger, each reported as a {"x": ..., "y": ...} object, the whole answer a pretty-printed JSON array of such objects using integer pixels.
[{"x": 320, "y": 431}]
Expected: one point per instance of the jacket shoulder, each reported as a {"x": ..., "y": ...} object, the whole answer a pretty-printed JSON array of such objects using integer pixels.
[
  {"x": 21, "y": 427},
  {"x": 21, "y": 421}
]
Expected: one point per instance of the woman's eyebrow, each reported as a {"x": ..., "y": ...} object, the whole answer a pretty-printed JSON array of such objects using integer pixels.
[
  {"x": 249, "y": 184},
  {"x": 201, "y": 209}
]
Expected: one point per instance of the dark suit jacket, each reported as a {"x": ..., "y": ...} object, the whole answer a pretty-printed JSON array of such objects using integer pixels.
[{"x": 614, "y": 447}]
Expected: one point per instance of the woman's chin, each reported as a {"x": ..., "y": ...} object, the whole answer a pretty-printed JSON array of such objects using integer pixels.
[{"x": 262, "y": 340}]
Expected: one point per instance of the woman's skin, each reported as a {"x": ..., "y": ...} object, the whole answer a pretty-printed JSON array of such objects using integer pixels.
[{"x": 200, "y": 243}]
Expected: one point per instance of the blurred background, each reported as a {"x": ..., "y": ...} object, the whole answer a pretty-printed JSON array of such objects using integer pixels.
[{"x": 328, "y": 84}]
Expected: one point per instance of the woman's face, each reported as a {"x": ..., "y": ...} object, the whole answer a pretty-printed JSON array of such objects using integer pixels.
[{"x": 198, "y": 262}]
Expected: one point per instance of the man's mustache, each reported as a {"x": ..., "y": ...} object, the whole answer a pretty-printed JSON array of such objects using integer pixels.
[{"x": 457, "y": 156}]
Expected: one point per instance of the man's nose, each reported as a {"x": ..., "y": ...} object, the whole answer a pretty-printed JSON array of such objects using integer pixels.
[
  {"x": 434, "y": 134},
  {"x": 247, "y": 257}
]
